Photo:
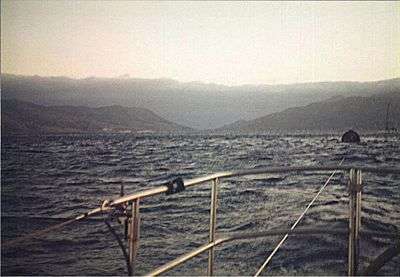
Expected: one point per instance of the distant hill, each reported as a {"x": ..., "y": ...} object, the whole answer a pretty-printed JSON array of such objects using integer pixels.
[
  {"x": 359, "y": 113},
  {"x": 18, "y": 117},
  {"x": 192, "y": 104}
]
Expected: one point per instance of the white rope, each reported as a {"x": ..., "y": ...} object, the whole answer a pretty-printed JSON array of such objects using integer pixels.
[{"x": 295, "y": 224}]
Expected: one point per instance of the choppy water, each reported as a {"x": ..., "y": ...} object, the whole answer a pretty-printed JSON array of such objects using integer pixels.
[{"x": 48, "y": 178}]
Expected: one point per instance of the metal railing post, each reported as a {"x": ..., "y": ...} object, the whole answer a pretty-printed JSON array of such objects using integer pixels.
[
  {"x": 358, "y": 217},
  {"x": 354, "y": 220},
  {"x": 351, "y": 248},
  {"x": 213, "y": 223},
  {"x": 133, "y": 237}
]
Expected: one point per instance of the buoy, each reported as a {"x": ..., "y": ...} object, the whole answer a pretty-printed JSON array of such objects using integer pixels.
[{"x": 351, "y": 136}]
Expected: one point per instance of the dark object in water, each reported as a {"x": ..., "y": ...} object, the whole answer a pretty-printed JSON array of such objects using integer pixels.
[{"x": 351, "y": 136}]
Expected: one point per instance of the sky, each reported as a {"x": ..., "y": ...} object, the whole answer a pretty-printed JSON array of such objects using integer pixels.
[{"x": 229, "y": 43}]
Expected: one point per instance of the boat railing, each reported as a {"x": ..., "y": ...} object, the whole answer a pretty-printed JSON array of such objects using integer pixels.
[{"x": 130, "y": 204}]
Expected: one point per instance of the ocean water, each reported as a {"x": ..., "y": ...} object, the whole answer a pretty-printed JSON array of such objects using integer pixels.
[{"x": 45, "y": 180}]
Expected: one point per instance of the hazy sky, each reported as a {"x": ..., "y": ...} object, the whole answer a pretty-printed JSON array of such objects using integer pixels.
[{"x": 220, "y": 42}]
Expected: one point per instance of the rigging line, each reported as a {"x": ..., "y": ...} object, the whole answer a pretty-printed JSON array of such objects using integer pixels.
[
  {"x": 49, "y": 218},
  {"x": 54, "y": 227},
  {"x": 121, "y": 245},
  {"x": 295, "y": 224}
]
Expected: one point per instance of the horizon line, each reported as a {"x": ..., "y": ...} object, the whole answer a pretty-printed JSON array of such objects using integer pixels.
[{"x": 120, "y": 77}]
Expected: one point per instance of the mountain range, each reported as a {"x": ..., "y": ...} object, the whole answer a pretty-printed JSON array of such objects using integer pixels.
[
  {"x": 194, "y": 104},
  {"x": 356, "y": 112},
  {"x": 19, "y": 117}
]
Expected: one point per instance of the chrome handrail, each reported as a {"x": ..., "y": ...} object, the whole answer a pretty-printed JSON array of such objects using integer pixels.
[
  {"x": 237, "y": 173},
  {"x": 355, "y": 187},
  {"x": 242, "y": 236},
  {"x": 354, "y": 220}
]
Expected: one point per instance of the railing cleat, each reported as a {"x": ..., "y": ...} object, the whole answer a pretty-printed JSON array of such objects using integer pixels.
[{"x": 175, "y": 186}]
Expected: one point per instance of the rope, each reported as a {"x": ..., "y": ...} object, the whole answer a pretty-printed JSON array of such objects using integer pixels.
[
  {"x": 295, "y": 224},
  {"x": 385, "y": 257},
  {"x": 121, "y": 245},
  {"x": 53, "y": 228},
  {"x": 48, "y": 218}
]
